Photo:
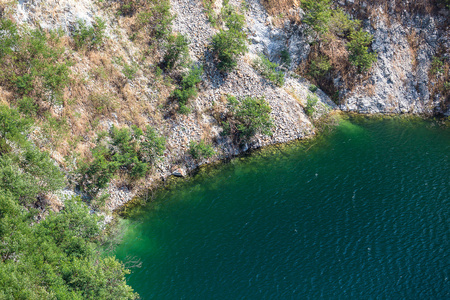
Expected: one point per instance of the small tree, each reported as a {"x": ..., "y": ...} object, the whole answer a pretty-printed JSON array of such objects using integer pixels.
[
  {"x": 188, "y": 89},
  {"x": 91, "y": 37},
  {"x": 311, "y": 102},
  {"x": 229, "y": 44},
  {"x": 201, "y": 150},
  {"x": 317, "y": 14},
  {"x": 153, "y": 146},
  {"x": 177, "y": 52},
  {"x": 319, "y": 66},
  {"x": 248, "y": 117},
  {"x": 358, "y": 47}
]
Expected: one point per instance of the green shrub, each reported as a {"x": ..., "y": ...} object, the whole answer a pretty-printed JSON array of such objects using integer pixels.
[
  {"x": 102, "y": 102},
  {"x": 12, "y": 126},
  {"x": 9, "y": 37},
  {"x": 446, "y": 86},
  {"x": 341, "y": 25},
  {"x": 90, "y": 37},
  {"x": 177, "y": 52},
  {"x": 229, "y": 44},
  {"x": 31, "y": 63},
  {"x": 129, "y": 70},
  {"x": 131, "y": 151},
  {"x": 437, "y": 66},
  {"x": 184, "y": 110},
  {"x": 154, "y": 19},
  {"x": 184, "y": 95},
  {"x": 319, "y": 66},
  {"x": 201, "y": 150},
  {"x": 285, "y": 58},
  {"x": 313, "y": 88},
  {"x": 128, "y": 7},
  {"x": 27, "y": 171},
  {"x": 209, "y": 10},
  {"x": 269, "y": 70},
  {"x": 153, "y": 146},
  {"x": 358, "y": 48},
  {"x": 311, "y": 102},
  {"x": 317, "y": 14},
  {"x": 163, "y": 26},
  {"x": 59, "y": 255},
  {"x": 188, "y": 89},
  {"x": 55, "y": 257},
  {"x": 248, "y": 117}
]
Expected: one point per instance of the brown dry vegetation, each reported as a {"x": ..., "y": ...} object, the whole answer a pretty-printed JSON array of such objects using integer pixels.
[
  {"x": 282, "y": 9},
  {"x": 276, "y": 7},
  {"x": 416, "y": 6}
]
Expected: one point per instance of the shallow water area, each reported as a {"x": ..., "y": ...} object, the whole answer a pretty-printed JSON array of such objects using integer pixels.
[{"x": 361, "y": 212}]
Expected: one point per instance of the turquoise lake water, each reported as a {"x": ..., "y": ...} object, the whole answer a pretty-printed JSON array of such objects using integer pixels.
[{"x": 360, "y": 213}]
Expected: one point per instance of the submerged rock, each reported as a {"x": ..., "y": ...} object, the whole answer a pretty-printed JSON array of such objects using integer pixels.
[{"x": 179, "y": 172}]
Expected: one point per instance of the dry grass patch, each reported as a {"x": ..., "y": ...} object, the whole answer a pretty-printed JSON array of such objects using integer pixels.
[{"x": 277, "y": 7}]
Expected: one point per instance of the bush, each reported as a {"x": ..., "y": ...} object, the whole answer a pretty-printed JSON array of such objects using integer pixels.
[
  {"x": 102, "y": 102},
  {"x": 31, "y": 64},
  {"x": 131, "y": 151},
  {"x": 155, "y": 17},
  {"x": 248, "y": 117},
  {"x": 59, "y": 255},
  {"x": 319, "y": 66},
  {"x": 153, "y": 146},
  {"x": 201, "y": 150},
  {"x": 311, "y": 102},
  {"x": 341, "y": 25},
  {"x": 90, "y": 37},
  {"x": 317, "y": 14},
  {"x": 437, "y": 66},
  {"x": 209, "y": 10},
  {"x": 25, "y": 172},
  {"x": 285, "y": 58},
  {"x": 9, "y": 37},
  {"x": 313, "y": 88},
  {"x": 228, "y": 44},
  {"x": 188, "y": 89},
  {"x": 177, "y": 52},
  {"x": 358, "y": 47},
  {"x": 269, "y": 70},
  {"x": 129, "y": 70},
  {"x": 12, "y": 126}
]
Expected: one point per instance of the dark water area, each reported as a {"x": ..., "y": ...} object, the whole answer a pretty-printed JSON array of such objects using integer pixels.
[{"x": 360, "y": 213}]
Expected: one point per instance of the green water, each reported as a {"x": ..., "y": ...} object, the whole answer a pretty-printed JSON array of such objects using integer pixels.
[{"x": 361, "y": 213}]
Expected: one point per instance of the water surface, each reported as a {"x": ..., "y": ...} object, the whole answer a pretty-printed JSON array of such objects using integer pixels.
[{"x": 361, "y": 213}]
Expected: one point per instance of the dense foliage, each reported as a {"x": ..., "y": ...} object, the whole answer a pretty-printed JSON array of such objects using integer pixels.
[
  {"x": 317, "y": 14},
  {"x": 188, "y": 88},
  {"x": 177, "y": 52},
  {"x": 247, "y": 117},
  {"x": 130, "y": 151},
  {"x": 311, "y": 101},
  {"x": 358, "y": 47},
  {"x": 56, "y": 258},
  {"x": 153, "y": 18},
  {"x": 89, "y": 37},
  {"x": 31, "y": 62},
  {"x": 340, "y": 48},
  {"x": 228, "y": 44}
]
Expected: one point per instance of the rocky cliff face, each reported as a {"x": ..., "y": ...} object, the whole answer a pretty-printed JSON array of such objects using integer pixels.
[
  {"x": 398, "y": 83},
  {"x": 406, "y": 43}
]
